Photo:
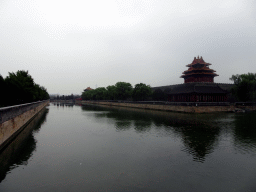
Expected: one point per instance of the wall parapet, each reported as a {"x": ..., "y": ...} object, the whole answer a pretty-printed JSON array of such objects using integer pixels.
[{"x": 7, "y": 113}]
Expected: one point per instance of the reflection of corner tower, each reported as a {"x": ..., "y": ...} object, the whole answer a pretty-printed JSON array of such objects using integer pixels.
[{"x": 198, "y": 71}]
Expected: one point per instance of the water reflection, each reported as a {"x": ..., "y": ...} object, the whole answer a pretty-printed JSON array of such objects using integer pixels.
[
  {"x": 21, "y": 148},
  {"x": 199, "y": 140},
  {"x": 123, "y": 119},
  {"x": 94, "y": 148},
  {"x": 198, "y": 132},
  {"x": 63, "y": 104},
  {"x": 245, "y": 132}
]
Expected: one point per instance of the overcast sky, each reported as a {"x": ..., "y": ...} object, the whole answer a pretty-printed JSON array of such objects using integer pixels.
[{"x": 69, "y": 45}]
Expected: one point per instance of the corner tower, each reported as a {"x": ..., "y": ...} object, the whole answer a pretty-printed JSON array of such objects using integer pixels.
[{"x": 198, "y": 71}]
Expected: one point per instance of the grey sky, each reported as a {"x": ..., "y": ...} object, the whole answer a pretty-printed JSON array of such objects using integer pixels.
[{"x": 69, "y": 45}]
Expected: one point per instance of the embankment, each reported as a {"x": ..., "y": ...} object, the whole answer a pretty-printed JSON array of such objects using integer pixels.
[
  {"x": 175, "y": 107},
  {"x": 13, "y": 119},
  {"x": 24, "y": 141}
]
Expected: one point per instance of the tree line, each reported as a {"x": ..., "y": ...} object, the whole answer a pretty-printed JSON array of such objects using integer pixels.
[
  {"x": 125, "y": 91},
  {"x": 245, "y": 87},
  {"x": 244, "y": 90},
  {"x": 119, "y": 91},
  {"x": 18, "y": 88}
]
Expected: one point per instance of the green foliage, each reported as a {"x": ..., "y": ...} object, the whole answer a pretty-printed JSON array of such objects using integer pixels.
[
  {"x": 20, "y": 85},
  {"x": 119, "y": 91},
  {"x": 111, "y": 92},
  {"x": 245, "y": 86},
  {"x": 20, "y": 88},
  {"x": 141, "y": 92},
  {"x": 158, "y": 95},
  {"x": 96, "y": 94},
  {"x": 1, "y": 80},
  {"x": 123, "y": 90},
  {"x": 100, "y": 93},
  {"x": 88, "y": 95},
  {"x": 40, "y": 93},
  {"x": 2, "y": 93}
]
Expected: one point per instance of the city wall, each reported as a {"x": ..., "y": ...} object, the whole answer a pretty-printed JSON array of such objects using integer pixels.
[
  {"x": 13, "y": 119},
  {"x": 175, "y": 108}
]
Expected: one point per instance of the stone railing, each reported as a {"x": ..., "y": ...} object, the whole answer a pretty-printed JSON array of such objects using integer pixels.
[{"x": 7, "y": 113}]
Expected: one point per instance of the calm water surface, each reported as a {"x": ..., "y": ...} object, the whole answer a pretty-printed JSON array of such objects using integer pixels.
[{"x": 92, "y": 148}]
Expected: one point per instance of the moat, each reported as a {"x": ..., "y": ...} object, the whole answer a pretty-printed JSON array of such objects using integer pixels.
[{"x": 95, "y": 148}]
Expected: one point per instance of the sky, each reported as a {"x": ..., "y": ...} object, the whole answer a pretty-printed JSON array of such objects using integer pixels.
[{"x": 69, "y": 45}]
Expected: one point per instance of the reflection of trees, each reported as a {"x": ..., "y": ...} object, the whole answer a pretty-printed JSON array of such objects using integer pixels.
[
  {"x": 122, "y": 117},
  {"x": 123, "y": 120},
  {"x": 93, "y": 108},
  {"x": 69, "y": 105},
  {"x": 123, "y": 125},
  {"x": 245, "y": 132},
  {"x": 197, "y": 131},
  {"x": 142, "y": 125},
  {"x": 22, "y": 147},
  {"x": 62, "y": 104}
]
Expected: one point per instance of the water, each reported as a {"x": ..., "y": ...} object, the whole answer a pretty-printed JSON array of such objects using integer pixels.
[{"x": 92, "y": 148}]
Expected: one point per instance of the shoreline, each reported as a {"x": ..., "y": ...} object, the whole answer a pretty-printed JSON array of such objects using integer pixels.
[{"x": 174, "y": 108}]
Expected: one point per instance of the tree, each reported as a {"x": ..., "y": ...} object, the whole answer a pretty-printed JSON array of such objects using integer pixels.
[
  {"x": 43, "y": 94},
  {"x": 123, "y": 90},
  {"x": 88, "y": 95},
  {"x": 3, "y": 92},
  {"x": 20, "y": 88},
  {"x": 245, "y": 87},
  {"x": 141, "y": 91},
  {"x": 111, "y": 92},
  {"x": 100, "y": 93}
]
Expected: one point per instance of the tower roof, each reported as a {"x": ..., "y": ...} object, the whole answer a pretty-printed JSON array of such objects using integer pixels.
[
  {"x": 198, "y": 61},
  {"x": 198, "y": 71}
]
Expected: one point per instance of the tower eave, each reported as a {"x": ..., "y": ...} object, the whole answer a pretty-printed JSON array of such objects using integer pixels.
[{"x": 198, "y": 71}]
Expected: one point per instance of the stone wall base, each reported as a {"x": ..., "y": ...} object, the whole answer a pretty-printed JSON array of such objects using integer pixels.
[{"x": 174, "y": 108}]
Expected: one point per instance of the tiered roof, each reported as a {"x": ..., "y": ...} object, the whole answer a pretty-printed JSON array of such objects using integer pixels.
[
  {"x": 198, "y": 68},
  {"x": 88, "y": 89}
]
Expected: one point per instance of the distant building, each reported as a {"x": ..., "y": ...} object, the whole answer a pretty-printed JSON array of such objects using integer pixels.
[
  {"x": 88, "y": 89},
  {"x": 198, "y": 85}
]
